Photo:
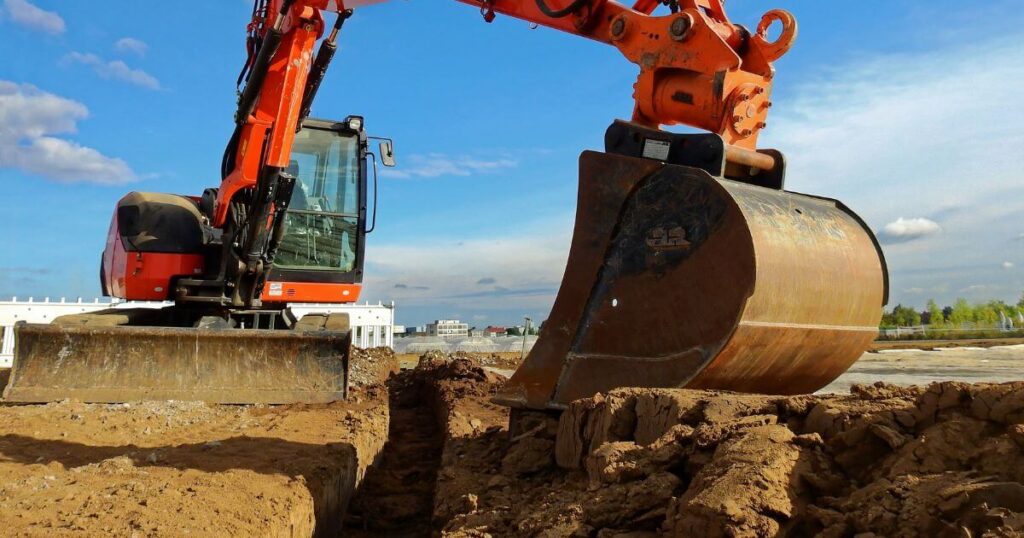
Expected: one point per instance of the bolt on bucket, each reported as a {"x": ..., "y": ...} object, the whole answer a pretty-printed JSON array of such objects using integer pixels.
[
  {"x": 676, "y": 278},
  {"x": 126, "y": 363}
]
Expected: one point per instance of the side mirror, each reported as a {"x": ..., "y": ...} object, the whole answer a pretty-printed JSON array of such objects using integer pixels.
[{"x": 387, "y": 153}]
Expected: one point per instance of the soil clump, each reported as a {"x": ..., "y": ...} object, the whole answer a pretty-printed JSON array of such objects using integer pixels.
[{"x": 942, "y": 460}]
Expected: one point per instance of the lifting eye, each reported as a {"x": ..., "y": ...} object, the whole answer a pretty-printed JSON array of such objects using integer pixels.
[{"x": 774, "y": 49}]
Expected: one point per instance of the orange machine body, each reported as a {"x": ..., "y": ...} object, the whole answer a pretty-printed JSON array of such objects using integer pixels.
[{"x": 132, "y": 270}]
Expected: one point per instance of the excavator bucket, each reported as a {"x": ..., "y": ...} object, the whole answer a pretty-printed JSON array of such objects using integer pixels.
[
  {"x": 106, "y": 362},
  {"x": 678, "y": 278}
]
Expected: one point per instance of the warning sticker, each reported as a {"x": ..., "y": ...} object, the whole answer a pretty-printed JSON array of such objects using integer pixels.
[
  {"x": 656, "y": 149},
  {"x": 276, "y": 289}
]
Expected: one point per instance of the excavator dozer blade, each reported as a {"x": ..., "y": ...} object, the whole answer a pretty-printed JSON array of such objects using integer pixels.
[
  {"x": 676, "y": 278},
  {"x": 129, "y": 363}
]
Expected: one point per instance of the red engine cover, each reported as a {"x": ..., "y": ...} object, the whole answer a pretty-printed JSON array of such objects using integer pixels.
[{"x": 142, "y": 276}]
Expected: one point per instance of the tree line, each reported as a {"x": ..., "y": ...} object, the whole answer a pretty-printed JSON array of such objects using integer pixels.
[{"x": 958, "y": 315}]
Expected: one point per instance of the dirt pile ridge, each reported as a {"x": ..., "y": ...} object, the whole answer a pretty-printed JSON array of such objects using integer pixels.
[
  {"x": 370, "y": 367},
  {"x": 943, "y": 460}
]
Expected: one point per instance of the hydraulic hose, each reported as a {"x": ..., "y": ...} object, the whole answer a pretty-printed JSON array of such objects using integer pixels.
[
  {"x": 260, "y": 67},
  {"x": 319, "y": 68},
  {"x": 559, "y": 13}
]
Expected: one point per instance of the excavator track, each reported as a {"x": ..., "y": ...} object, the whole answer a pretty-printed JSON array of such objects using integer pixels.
[{"x": 101, "y": 358}]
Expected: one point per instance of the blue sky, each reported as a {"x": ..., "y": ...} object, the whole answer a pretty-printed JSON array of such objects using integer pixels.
[{"x": 907, "y": 111}]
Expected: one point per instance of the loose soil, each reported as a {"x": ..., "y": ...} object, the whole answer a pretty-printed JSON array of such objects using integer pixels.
[
  {"x": 187, "y": 468},
  {"x": 943, "y": 460},
  {"x": 496, "y": 361}
]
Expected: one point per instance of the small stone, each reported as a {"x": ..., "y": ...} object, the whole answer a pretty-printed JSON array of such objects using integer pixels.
[
  {"x": 889, "y": 435},
  {"x": 475, "y": 423},
  {"x": 470, "y": 502},
  {"x": 497, "y": 482}
]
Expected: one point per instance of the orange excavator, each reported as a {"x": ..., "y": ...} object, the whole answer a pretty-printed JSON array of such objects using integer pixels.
[{"x": 690, "y": 265}]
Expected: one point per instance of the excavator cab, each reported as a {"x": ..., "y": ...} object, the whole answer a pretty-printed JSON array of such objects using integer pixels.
[{"x": 319, "y": 257}]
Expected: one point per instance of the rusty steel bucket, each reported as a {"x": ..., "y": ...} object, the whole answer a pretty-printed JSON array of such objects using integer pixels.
[
  {"x": 676, "y": 278},
  {"x": 127, "y": 363}
]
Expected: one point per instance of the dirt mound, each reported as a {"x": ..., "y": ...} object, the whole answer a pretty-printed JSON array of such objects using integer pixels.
[
  {"x": 368, "y": 367},
  {"x": 946, "y": 460},
  {"x": 506, "y": 361},
  {"x": 459, "y": 389},
  {"x": 501, "y": 361},
  {"x": 176, "y": 468}
]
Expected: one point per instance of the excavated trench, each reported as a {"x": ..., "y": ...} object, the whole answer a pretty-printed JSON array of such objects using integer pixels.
[{"x": 396, "y": 497}]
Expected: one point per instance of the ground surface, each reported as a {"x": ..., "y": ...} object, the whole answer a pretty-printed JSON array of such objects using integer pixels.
[
  {"x": 937, "y": 344},
  {"x": 918, "y": 367},
  {"x": 186, "y": 468},
  {"x": 939, "y": 459},
  {"x": 943, "y": 460}
]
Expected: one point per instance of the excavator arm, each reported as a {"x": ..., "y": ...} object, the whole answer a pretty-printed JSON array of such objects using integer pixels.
[{"x": 697, "y": 67}]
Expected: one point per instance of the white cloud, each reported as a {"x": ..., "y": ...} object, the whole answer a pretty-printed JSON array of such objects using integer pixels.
[
  {"x": 437, "y": 164},
  {"x": 130, "y": 45},
  {"x": 115, "y": 69},
  {"x": 1007, "y": 265},
  {"x": 27, "y": 14},
  {"x": 881, "y": 128},
  {"x": 902, "y": 230},
  {"x": 978, "y": 290},
  {"x": 30, "y": 117},
  {"x": 528, "y": 263}
]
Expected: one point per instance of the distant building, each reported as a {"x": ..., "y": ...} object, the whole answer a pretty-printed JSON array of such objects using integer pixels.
[
  {"x": 494, "y": 331},
  {"x": 448, "y": 328}
]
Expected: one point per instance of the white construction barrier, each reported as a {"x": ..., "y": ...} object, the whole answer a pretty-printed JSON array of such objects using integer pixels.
[{"x": 372, "y": 325}]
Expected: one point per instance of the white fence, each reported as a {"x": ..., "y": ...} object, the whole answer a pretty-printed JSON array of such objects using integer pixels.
[{"x": 372, "y": 325}]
